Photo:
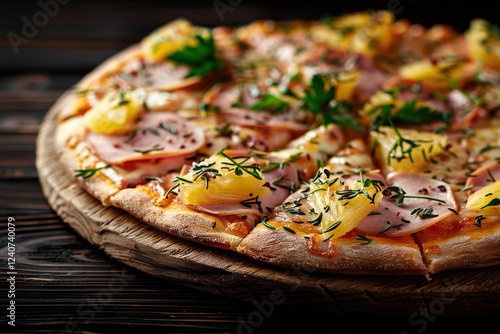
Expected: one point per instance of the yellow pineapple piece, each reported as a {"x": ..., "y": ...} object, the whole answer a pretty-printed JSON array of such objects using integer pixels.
[
  {"x": 365, "y": 32},
  {"x": 406, "y": 150},
  {"x": 341, "y": 204},
  {"x": 486, "y": 198},
  {"x": 170, "y": 38},
  {"x": 483, "y": 42},
  {"x": 116, "y": 113},
  {"x": 447, "y": 72},
  {"x": 222, "y": 179},
  {"x": 345, "y": 82},
  {"x": 375, "y": 104}
]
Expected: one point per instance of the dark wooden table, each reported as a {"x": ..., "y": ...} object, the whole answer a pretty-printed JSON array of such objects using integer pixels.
[{"x": 63, "y": 283}]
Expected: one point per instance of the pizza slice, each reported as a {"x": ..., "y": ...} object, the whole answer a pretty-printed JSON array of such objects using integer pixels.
[{"x": 315, "y": 227}]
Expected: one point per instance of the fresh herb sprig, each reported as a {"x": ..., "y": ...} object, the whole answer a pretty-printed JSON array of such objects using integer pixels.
[
  {"x": 403, "y": 147},
  {"x": 319, "y": 99},
  {"x": 271, "y": 103},
  {"x": 201, "y": 58},
  {"x": 87, "y": 173},
  {"x": 410, "y": 112},
  {"x": 365, "y": 183},
  {"x": 398, "y": 193},
  {"x": 239, "y": 167}
]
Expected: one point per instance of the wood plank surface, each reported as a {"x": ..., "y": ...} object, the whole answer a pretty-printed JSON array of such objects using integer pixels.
[{"x": 65, "y": 283}]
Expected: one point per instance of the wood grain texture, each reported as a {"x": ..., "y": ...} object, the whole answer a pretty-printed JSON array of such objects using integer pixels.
[{"x": 461, "y": 292}]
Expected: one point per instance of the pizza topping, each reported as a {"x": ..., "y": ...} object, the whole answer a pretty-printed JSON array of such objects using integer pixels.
[
  {"x": 411, "y": 203},
  {"x": 334, "y": 203},
  {"x": 486, "y": 197},
  {"x": 154, "y": 136},
  {"x": 406, "y": 150},
  {"x": 86, "y": 173},
  {"x": 483, "y": 177},
  {"x": 483, "y": 41},
  {"x": 319, "y": 99},
  {"x": 223, "y": 178},
  {"x": 365, "y": 32},
  {"x": 171, "y": 38},
  {"x": 201, "y": 59},
  {"x": 155, "y": 76},
  {"x": 116, "y": 113},
  {"x": 237, "y": 104}
]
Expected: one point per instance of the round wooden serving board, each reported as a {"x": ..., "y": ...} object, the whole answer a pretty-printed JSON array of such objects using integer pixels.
[{"x": 459, "y": 292}]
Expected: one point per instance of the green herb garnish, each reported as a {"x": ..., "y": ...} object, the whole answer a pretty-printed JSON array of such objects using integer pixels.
[
  {"x": 271, "y": 103},
  {"x": 400, "y": 195},
  {"x": 201, "y": 58},
  {"x": 319, "y": 99},
  {"x": 87, "y": 173}
]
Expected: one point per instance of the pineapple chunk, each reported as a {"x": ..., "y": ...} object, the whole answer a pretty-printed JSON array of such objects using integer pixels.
[
  {"x": 445, "y": 73},
  {"x": 222, "y": 179},
  {"x": 343, "y": 203},
  {"x": 406, "y": 150},
  {"x": 170, "y": 38},
  {"x": 116, "y": 113},
  {"x": 365, "y": 32},
  {"x": 483, "y": 41},
  {"x": 375, "y": 104},
  {"x": 486, "y": 198},
  {"x": 345, "y": 82}
]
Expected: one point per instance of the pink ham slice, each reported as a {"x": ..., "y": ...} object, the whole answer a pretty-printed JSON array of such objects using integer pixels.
[
  {"x": 483, "y": 176},
  {"x": 274, "y": 130},
  {"x": 414, "y": 214},
  {"x": 155, "y": 76},
  {"x": 157, "y": 135}
]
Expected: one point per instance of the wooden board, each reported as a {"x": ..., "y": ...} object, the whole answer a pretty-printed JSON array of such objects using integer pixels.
[{"x": 459, "y": 292}]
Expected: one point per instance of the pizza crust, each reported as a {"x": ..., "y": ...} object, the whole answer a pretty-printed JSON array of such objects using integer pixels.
[
  {"x": 380, "y": 257},
  {"x": 473, "y": 249},
  {"x": 73, "y": 155},
  {"x": 176, "y": 220}
]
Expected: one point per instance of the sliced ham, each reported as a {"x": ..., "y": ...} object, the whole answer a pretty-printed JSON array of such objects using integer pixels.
[
  {"x": 483, "y": 176},
  {"x": 233, "y": 103},
  {"x": 156, "y": 76},
  {"x": 157, "y": 135},
  {"x": 371, "y": 79},
  {"x": 414, "y": 214}
]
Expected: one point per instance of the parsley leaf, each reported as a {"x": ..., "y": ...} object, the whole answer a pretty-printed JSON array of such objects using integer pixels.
[
  {"x": 319, "y": 99},
  {"x": 410, "y": 113},
  {"x": 494, "y": 202},
  {"x": 413, "y": 114},
  {"x": 271, "y": 103},
  {"x": 201, "y": 58}
]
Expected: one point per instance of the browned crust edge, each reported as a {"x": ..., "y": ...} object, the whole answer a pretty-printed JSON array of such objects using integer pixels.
[
  {"x": 185, "y": 224},
  {"x": 464, "y": 251},
  {"x": 286, "y": 249}
]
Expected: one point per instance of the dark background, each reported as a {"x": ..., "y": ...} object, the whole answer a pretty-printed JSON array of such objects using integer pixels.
[
  {"x": 83, "y": 33},
  {"x": 57, "y": 268}
]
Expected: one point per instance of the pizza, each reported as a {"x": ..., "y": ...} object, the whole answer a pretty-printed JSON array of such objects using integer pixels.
[{"x": 357, "y": 144}]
